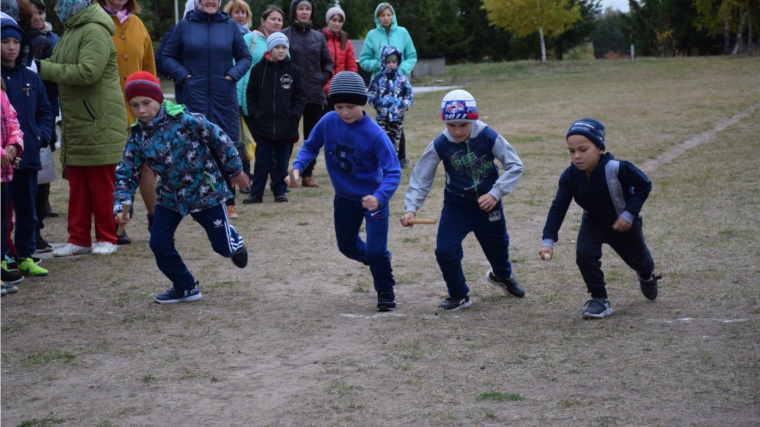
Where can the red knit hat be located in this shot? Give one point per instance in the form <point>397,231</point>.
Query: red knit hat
<point>143,83</point>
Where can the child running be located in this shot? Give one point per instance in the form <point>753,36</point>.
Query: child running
<point>611,193</point>
<point>364,171</point>
<point>187,152</point>
<point>472,197</point>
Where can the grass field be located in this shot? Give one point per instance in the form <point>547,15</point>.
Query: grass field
<point>294,339</point>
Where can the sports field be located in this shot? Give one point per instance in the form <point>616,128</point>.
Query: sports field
<point>294,339</point>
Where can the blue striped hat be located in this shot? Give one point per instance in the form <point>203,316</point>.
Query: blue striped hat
<point>590,128</point>
<point>348,87</point>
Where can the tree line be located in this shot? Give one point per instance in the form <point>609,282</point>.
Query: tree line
<point>497,30</point>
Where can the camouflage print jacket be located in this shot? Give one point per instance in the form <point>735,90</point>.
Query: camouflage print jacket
<point>179,146</point>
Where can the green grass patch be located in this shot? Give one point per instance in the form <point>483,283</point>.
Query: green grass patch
<point>500,396</point>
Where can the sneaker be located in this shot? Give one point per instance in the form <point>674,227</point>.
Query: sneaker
<point>281,198</point>
<point>103,248</point>
<point>240,258</point>
<point>231,212</point>
<point>454,304</point>
<point>10,289</point>
<point>510,287</point>
<point>386,301</point>
<point>404,163</point>
<point>123,239</point>
<point>70,249</point>
<point>177,295</point>
<point>9,264</point>
<point>246,190</point>
<point>42,245</point>
<point>27,267</point>
<point>253,199</point>
<point>10,277</point>
<point>649,286</point>
<point>597,308</point>
<point>3,292</point>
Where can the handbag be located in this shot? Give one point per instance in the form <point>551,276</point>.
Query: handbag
<point>46,175</point>
<point>247,139</point>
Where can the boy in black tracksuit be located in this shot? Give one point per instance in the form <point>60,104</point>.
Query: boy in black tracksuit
<point>276,101</point>
<point>611,193</point>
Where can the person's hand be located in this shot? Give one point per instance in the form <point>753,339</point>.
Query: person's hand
<point>5,161</point>
<point>121,221</point>
<point>296,174</point>
<point>16,162</point>
<point>10,154</point>
<point>405,219</point>
<point>487,202</point>
<point>240,180</point>
<point>621,225</point>
<point>229,77</point>
<point>546,250</point>
<point>370,203</point>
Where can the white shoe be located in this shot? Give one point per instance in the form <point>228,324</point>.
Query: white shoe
<point>103,248</point>
<point>70,249</point>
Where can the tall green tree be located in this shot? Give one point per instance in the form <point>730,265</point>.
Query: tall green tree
<point>609,35</point>
<point>486,42</point>
<point>580,32</point>
<point>666,27</point>
<point>525,17</point>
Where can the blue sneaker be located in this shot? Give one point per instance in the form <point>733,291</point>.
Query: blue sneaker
<point>649,286</point>
<point>597,308</point>
<point>386,301</point>
<point>177,295</point>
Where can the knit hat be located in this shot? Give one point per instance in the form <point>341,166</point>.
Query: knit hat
<point>590,128</point>
<point>276,39</point>
<point>348,87</point>
<point>303,3</point>
<point>333,11</point>
<point>143,83</point>
<point>10,7</point>
<point>459,106</point>
<point>11,31</point>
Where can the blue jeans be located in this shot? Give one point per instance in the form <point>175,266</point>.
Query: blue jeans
<point>264,149</point>
<point>224,240</point>
<point>349,216</point>
<point>629,245</point>
<point>460,217</point>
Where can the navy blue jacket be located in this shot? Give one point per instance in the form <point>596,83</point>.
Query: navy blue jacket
<point>27,94</point>
<point>615,188</point>
<point>208,47</point>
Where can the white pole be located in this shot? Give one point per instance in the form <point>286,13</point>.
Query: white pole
<point>631,52</point>
<point>176,12</point>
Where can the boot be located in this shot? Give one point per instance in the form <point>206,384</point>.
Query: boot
<point>308,181</point>
<point>150,222</point>
<point>123,239</point>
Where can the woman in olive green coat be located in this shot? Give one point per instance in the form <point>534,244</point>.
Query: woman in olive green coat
<point>94,122</point>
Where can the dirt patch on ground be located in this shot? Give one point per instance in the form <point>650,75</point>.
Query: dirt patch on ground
<point>294,338</point>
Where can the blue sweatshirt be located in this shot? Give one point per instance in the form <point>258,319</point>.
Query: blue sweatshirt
<point>616,188</point>
<point>359,157</point>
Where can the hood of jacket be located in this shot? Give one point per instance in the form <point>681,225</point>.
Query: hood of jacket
<point>387,50</point>
<point>477,127</point>
<point>378,25</point>
<point>25,54</point>
<point>168,108</point>
<point>292,15</point>
<point>201,16</point>
<point>93,14</point>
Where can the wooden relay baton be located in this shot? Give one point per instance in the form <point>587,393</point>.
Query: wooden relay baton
<point>292,176</point>
<point>124,216</point>
<point>422,221</point>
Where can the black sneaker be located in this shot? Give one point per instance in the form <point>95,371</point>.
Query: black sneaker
<point>597,308</point>
<point>42,245</point>
<point>454,304</point>
<point>177,295</point>
<point>253,199</point>
<point>10,289</point>
<point>11,277</point>
<point>281,198</point>
<point>510,287</point>
<point>240,258</point>
<point>123,239</point>
<point>649,287</point>
<point>386,301</point>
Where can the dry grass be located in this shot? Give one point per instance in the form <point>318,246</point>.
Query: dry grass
<point>294,339</point>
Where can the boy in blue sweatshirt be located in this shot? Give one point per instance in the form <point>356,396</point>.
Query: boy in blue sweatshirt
<point>364,171</point>
<point>190,155</point>
<point>472,198</point>
<point>611,193</point>
<point>28,96</point>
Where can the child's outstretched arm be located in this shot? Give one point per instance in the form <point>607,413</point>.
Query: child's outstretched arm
<point>556,215</point>
<point>309,151</point>
<point>420,183</point>
<point>128,173</point>
<point>226,153</point>
<point>388,163</point>
<point>512,165</point>
<point>373,93</point>
<point>631,176</point>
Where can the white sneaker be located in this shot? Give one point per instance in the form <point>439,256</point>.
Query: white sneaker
<point>70,249</point>
<point>103,248</point>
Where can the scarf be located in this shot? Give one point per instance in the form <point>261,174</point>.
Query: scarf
<point>69,8</point>
<point>122,14</point>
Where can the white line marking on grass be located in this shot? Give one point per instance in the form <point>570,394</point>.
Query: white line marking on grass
<point>359,316</point>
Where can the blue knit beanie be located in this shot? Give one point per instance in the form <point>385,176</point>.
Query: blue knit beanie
<point>10,31</point>
<point>590,128</point>
<point>277,39</point>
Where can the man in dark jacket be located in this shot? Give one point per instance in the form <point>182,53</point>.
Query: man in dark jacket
<point>308,50</point>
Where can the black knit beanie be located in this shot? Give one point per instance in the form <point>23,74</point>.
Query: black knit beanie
<point>348,87</point>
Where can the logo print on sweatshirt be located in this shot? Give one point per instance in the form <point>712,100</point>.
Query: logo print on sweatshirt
<point>286,81</point>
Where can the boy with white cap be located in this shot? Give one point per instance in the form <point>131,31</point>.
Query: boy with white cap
<point>472,197</point>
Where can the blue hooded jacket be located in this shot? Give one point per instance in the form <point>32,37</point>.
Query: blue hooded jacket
<point>390,92</point>
<point>208,47</point>
<point>27,94</point>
